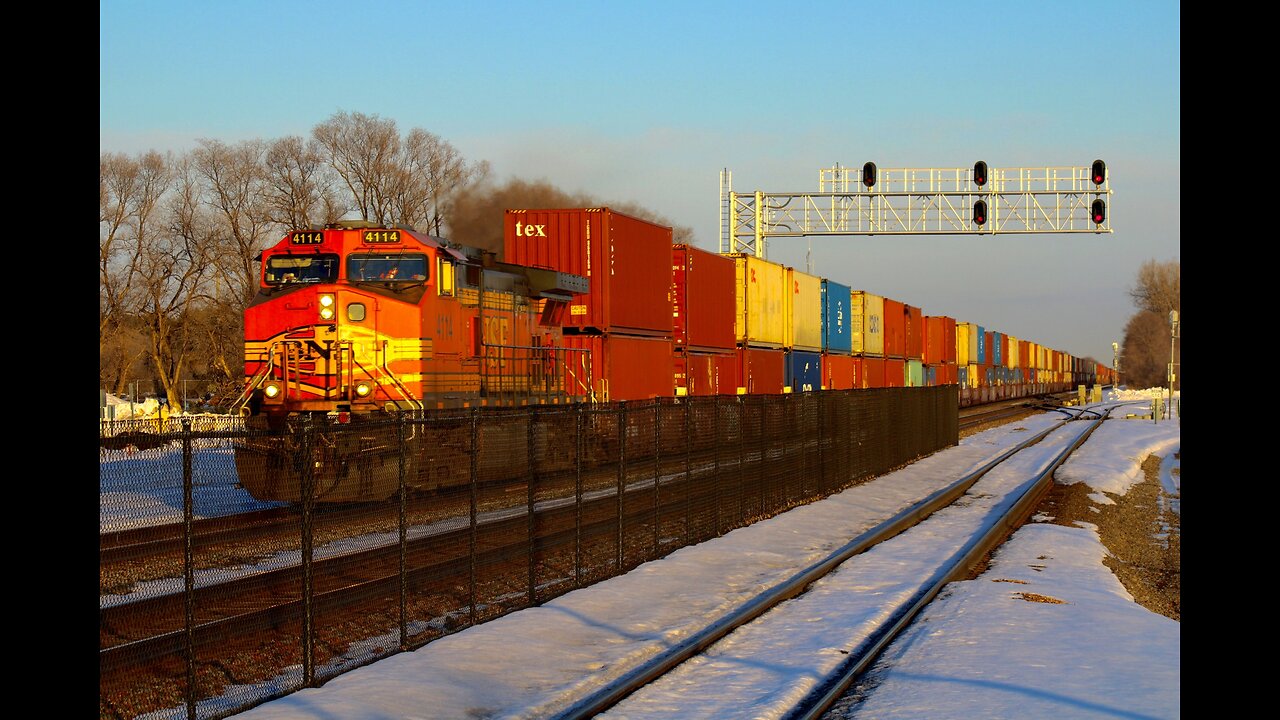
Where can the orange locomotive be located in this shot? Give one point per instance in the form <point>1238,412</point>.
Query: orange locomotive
<point>354,321</point>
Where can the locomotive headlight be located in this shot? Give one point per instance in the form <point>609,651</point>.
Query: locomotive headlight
<point>271,390</point>
<point>363,389</point>
<point>326,307</point>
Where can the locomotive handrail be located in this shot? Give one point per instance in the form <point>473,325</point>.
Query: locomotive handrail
<point>404,391</point>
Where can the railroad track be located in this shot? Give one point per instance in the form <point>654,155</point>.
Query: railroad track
<point>655,688</point>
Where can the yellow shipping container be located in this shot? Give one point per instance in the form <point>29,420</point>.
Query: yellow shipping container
<point>761,302</point>
<point>974,374</point>
<point>866,322</point>
<point>1011,355</point>
<point>966,343</point>
<point>804,311</point>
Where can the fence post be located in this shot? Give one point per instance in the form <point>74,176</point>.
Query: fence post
<point>657,478</point>
<point>308,589</point>
<point>531,451</point>
<point>404,534</point>
<point>475,500</point>
<point>188,572</point>
<point>688,472</point>
<point>577,496</point>
<point>622,475</point>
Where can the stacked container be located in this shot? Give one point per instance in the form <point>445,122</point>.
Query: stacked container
<point>940,349</point>
<point>703,311</point>
<point>625,318</point>
<point>803,337</point>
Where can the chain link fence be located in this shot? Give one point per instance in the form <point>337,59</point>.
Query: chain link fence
<point>364,540</point>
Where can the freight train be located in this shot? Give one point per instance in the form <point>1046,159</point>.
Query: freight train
<point>354,322</point>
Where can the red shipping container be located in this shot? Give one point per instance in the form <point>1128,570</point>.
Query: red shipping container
<point>1004,349</point>
<point>945,374</point>
<point>840,372</point>
<point>895,329</point>
<point>623,367</point>
<point>702,299</point>
<point>1024,355</point>
<point>914,319</point>
<point>989,359</point>
<point>895,373</point>
<point>872,372</point>
<point>706,373</point>
<point>761,371</point>
<point>940,339</point>
<point>626,260</point>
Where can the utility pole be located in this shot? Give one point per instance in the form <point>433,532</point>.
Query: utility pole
<point>1115,364</point>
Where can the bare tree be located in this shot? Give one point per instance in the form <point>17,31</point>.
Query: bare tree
<point>363,151</point>
<point>130,193</point>
<point>1159,287</point>
<point>297,187</point>
<point>1146,350</point>
<point>175,264</point>
<point>1147,343</point>
<point>234,185</point>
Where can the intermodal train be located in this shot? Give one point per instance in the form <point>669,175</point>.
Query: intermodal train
<point>354,321</point>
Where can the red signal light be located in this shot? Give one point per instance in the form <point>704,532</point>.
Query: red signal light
<point>980,173</point>
<point>869,174</point>
<point>1098,211</point>
<point>980,212</point>
<point>1099,172</point>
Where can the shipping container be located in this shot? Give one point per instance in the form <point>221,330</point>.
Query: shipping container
<point>915,373</point>
<point>759,302</point>
<point>940,339</point>
<point>914,332</point>
<point>979,346</point>
<point>866,327</point>
<point>841,372</point>
<point>804,371</point>
<point>702,299</point>
<point>895,372</point>
<point>626,260</point>
<point>761,371</point>
<point>624,367</point>
<point>975,375</point>
<point>997,349</point>
<point>803,311</point>
<point>966,347</point>
<point>837,337</point>
<point>895,329</point>
<point>872,372</point>
<point>706,373</point>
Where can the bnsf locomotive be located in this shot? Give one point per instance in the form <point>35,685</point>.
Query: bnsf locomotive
<point>352,321</point>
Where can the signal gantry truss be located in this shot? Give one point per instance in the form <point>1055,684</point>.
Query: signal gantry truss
<point>919,201</point>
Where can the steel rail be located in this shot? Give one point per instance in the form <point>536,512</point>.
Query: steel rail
<point>628,683</point>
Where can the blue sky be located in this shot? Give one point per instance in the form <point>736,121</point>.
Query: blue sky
<point>647,102</point>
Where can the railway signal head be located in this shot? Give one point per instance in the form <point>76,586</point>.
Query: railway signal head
<point>1098,211</point>
<point>1099,172</point>
<point>980,173</point>
<point>980,212</point>
<point>869,174</point>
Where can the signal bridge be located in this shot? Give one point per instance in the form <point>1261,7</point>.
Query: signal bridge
<point>920,201</point>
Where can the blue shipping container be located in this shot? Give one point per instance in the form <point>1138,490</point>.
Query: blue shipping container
<point>804,371</point>
<point>982,346</point>
<point>836,337</point>
<point>997,357</point>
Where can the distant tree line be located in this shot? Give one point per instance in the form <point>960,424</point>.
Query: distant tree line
<point>1146,352</point>
<point>179,234</point>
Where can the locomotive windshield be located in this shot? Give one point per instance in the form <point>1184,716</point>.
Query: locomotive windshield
<point>387,268</point>
<point>289,269</point>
